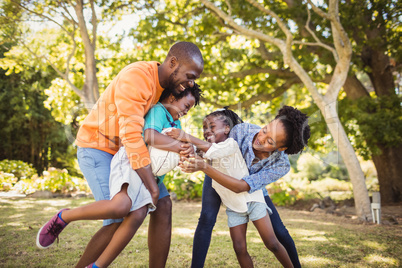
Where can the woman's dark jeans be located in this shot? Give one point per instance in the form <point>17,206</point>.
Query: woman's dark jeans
<point>211,203</point>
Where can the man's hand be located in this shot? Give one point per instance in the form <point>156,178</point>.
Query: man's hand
<point>178,134</point>
<point>192,164</point>
<point>148,179</point>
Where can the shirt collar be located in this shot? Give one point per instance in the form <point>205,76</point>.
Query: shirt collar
<point>168,115</point>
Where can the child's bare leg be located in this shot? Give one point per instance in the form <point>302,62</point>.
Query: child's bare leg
<point>97,245</point>
<point>122,236</point>
<point>116,208</point>
<point>267,234</point>
<point>238,235</point>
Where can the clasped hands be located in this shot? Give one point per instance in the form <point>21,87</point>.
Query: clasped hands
<point>189,161</point>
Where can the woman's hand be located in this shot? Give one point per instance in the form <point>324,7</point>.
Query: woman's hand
<point>178,134</point>
<point>186,149</point>
<point>192,164</point>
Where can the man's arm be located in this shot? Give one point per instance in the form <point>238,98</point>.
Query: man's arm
<point>149,181</point>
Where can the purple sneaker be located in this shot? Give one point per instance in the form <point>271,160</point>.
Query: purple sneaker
<point>50,231</point>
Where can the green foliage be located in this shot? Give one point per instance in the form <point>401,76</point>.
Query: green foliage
<point>185,186</point>
<point>53,180</point>
<point>336,189</point>
<point>310,166</point>
<point>18,168</point>
<point>379,122</point>
<point>282,193</point>
<point>7,181</point>
<point>30,132</point>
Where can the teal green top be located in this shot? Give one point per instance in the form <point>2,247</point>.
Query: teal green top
<point>158,118</point>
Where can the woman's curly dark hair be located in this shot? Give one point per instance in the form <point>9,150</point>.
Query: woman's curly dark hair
<point>229,117</point>
<point>195,91</point>
<point>296,128</point>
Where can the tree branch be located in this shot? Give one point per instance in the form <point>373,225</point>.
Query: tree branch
<point>269,12</point>
<point>63,75</point>
<point>241,29</point>
<point>319,11</point>
<point>280,73</point>
<point>318,41</point>
<point>265,54</point>
<point>264,97</point>
<point>94,22</point>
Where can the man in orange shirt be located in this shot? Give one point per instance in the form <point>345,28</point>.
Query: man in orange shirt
<point>117,119</point>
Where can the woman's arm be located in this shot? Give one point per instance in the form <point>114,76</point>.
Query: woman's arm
<point>198,164</point>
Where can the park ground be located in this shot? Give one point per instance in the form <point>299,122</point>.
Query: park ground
<point>322,239</point>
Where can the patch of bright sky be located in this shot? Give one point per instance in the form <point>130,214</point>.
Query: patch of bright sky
<point>111,29</point>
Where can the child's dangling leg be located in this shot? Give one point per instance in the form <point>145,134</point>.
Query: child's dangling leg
<point>238,235</point>
<point>267,234</point>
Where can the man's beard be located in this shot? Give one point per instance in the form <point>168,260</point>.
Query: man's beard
<point>171,86</point>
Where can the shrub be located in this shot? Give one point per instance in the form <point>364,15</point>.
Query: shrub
<point>282,193</point>
<point>185,186</point>
<point>336,189</point>
<point>310,167</point>
<point>7,181</point>
<point>19,168</point>
<point>53,180</point>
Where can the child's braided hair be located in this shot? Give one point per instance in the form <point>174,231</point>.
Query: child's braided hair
<point>296,127</point>
<point>229,117</point>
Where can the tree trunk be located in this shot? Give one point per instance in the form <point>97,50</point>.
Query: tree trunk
<point>360,193</point>
<point>388,162</point>
<point>389,170</point>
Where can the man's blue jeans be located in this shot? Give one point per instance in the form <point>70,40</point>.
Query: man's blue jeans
<point>211,203</point>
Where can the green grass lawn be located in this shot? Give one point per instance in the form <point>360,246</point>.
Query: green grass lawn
<point>322,240</point>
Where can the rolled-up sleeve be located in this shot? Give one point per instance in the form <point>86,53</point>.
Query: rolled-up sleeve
<point>133,92</point>
<point>268,174</point>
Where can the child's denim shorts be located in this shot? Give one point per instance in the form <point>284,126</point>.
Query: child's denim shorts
<point>255,211</point>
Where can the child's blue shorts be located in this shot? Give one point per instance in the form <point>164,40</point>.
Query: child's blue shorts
<point>255,211</point>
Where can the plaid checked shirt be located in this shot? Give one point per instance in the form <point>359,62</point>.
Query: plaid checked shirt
<point>264,171</point>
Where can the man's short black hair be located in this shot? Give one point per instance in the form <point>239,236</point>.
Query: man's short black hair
<point>185,51</point>
<point>296,128</point>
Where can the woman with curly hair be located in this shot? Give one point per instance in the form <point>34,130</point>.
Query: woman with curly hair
<point>265,151</point>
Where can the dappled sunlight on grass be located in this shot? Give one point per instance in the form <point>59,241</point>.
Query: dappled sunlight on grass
<point>314,261</point>
<point>315,239</point>
<point>183,232</point>
<point>256,240</point>
<point>14,224</point>
<point>311,222</point>
<point>380,261</point>
<point>54,203</point>
<point>308,233</point>
<point>16,216</point>
<point>373,245</point>
<point>321,240</point>
<point>221,233</point>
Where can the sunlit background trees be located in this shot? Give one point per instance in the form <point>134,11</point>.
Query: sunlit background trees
<point>338,61</point>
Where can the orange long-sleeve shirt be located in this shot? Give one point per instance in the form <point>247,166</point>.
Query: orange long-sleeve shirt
<point>118,116</point>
